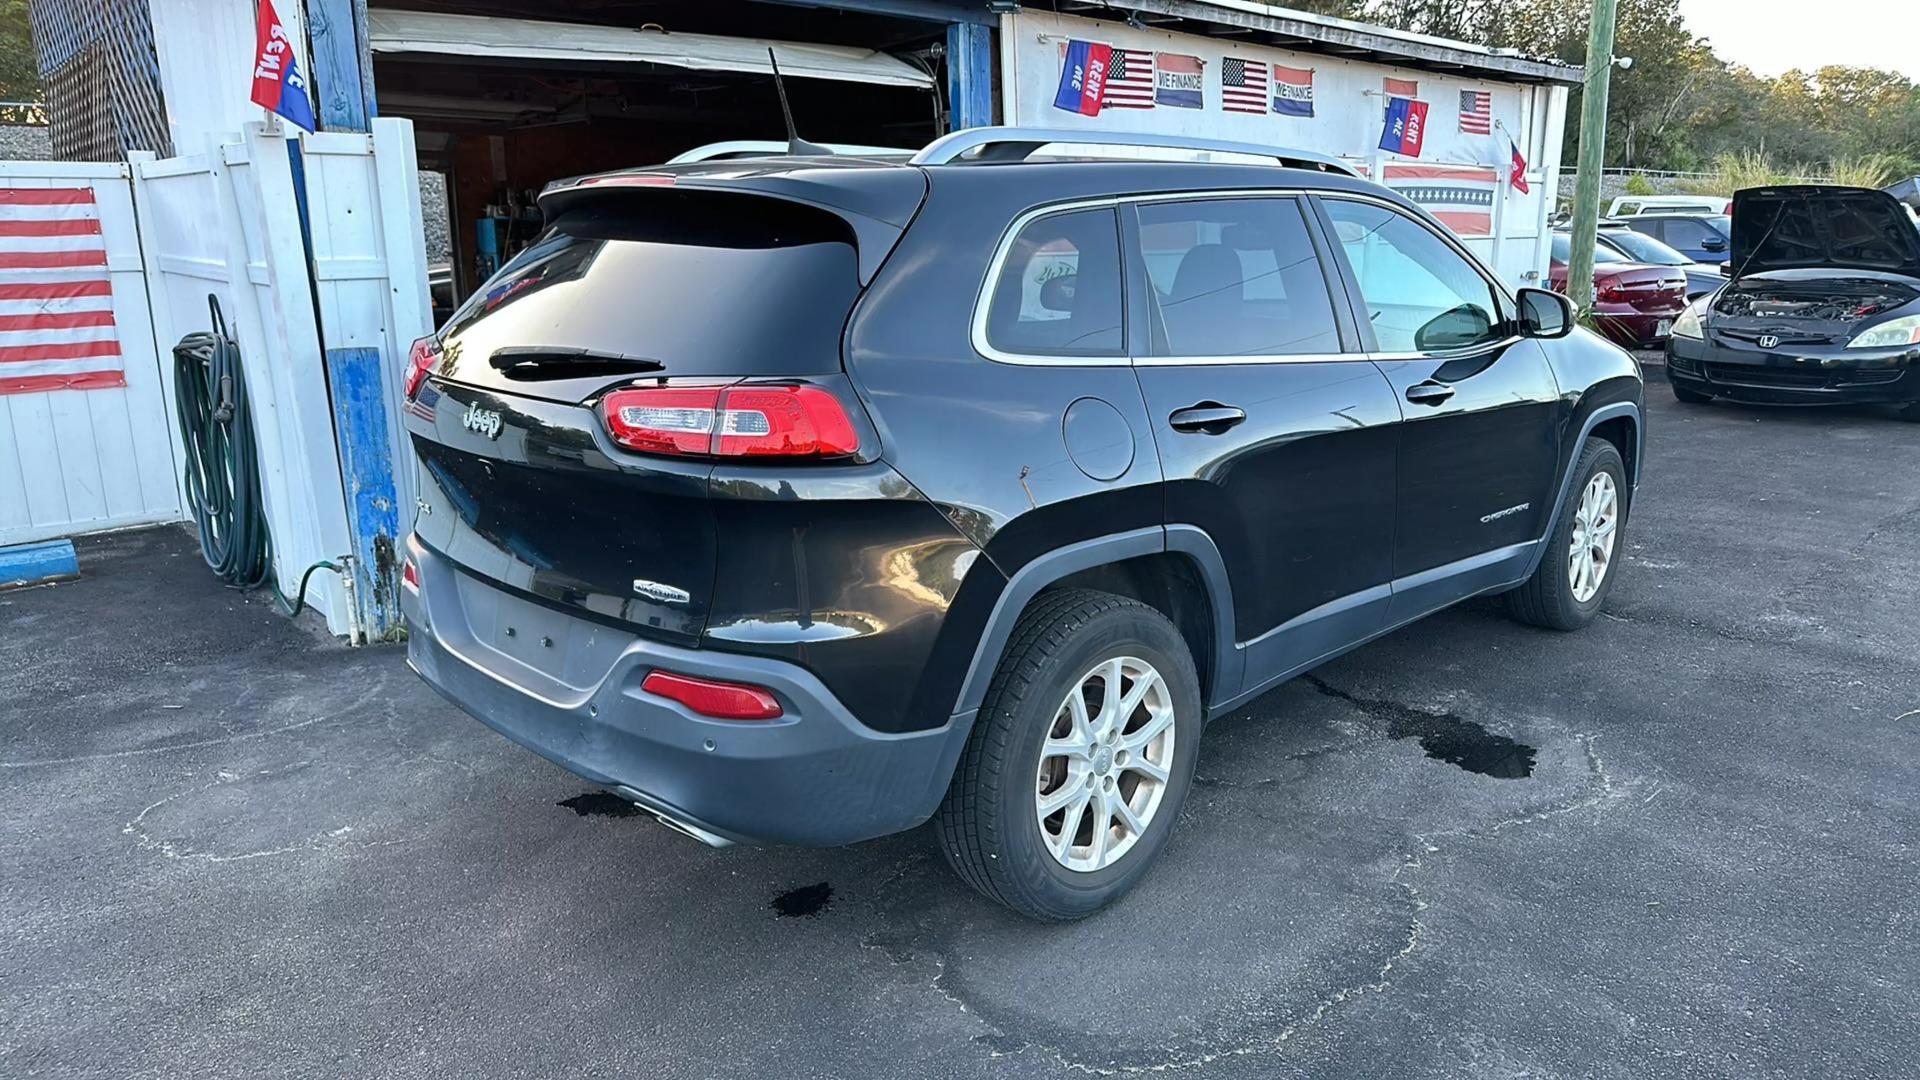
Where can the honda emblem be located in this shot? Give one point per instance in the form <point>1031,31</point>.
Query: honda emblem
<point>1767,341</point>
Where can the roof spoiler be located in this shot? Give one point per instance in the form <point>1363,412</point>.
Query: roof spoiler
<point>1008,144</point>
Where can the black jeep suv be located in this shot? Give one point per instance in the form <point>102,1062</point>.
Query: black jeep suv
<point>800,501</point>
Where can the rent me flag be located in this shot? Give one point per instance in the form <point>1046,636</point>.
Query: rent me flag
<point>56,301</point>
<point>1083,77</point>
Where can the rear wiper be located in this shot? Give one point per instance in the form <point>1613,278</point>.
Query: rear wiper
<point>559,362</point>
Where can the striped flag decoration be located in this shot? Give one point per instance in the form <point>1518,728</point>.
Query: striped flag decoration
<point>1130,80</point>
<point>1476,112</point>
<point>1243,85</point>
<point>1461,196</point>
<point>56,301</point>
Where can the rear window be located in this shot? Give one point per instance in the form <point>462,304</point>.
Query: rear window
<point>695,283</point>
<point>1058,292</point>
<point>1563,251</point>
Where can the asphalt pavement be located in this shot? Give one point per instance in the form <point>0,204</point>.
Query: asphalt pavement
<point>1679,843</point>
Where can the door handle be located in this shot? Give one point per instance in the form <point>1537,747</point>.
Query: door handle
<point>1429,393</point>
<point>1207,418</point>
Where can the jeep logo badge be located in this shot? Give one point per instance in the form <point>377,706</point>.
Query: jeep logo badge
<point>1767,341</point>
<point>484,421</point>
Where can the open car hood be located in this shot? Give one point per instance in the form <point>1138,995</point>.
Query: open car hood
<point>1789,228</point>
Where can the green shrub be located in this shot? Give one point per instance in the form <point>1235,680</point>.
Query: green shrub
<point>1638,184</point>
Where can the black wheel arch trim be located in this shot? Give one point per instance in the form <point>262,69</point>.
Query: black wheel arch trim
<point>1029,580</point>
<point>1594,419</point>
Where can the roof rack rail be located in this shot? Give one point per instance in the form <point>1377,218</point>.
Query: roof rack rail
<point>1005,144</point>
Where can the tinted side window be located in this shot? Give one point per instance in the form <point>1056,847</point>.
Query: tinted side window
<point>1235,277</point>
<point>1649,226</point>
<point>1688,234</point>
<point>1058,293</point>
<point>1420,293</point>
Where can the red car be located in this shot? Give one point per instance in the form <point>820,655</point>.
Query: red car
<point>1634,304</point>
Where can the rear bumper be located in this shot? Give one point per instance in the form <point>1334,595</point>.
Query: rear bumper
<point>1786,377</point>
<point>1626,325</point>
<point>814,777</point>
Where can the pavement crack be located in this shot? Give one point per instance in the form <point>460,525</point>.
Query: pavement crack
<point>328,841</point>
<point>170,747</point>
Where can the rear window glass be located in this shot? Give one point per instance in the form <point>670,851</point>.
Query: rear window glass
<point>1058,293</point>
<point>700,284</point>
<point>1235,277</point>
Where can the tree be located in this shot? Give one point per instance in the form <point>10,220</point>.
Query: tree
<point>19,72</point>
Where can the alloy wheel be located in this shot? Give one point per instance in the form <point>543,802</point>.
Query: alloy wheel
<point>1595,525</point>
<point>1105,764</point>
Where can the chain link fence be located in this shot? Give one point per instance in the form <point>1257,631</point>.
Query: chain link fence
<point>102,76</point>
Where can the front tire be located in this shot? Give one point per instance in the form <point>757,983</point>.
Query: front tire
<point>1570,586</point>
<point>1079,760</point>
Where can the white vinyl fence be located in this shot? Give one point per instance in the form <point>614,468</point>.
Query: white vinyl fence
<point>85,416</point>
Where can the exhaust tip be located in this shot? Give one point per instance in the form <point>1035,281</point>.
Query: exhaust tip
<point>672,823</point>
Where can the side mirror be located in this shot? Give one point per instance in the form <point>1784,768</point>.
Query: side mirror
<point>1545,314</point>
<point>1454,328</point>
<point>1056,293</point>
<point>1713,243</point>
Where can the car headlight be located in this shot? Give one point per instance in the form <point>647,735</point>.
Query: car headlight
<point>1902,331</point>
<point>1691,324</point>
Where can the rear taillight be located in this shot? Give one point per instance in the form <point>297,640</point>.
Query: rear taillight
<point>735,421</point>
<point>709,697</point>
<point>410,575</point>
<point>423,358</point>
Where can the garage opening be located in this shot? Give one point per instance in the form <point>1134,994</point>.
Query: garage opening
<point>506,97</point>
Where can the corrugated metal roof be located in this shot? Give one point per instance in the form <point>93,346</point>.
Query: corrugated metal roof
<point>528,39</point>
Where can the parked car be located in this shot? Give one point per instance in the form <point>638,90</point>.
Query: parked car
<point>1702,278</point>
<point>1633,304</point>
<point>1630,205</point>
<point>801,502</point>
<point>1700,237</point>
<point>1823,305</point>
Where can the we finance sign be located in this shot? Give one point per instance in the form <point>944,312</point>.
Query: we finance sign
<point>1178,81</point>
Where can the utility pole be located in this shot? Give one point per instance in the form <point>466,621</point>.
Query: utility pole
<point>1593,156</point>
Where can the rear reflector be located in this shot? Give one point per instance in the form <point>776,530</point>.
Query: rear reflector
<point>738,421</point>
<point>721,700</point>
<point>410,575</point>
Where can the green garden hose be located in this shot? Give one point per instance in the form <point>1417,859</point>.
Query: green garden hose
<point>222,472</point>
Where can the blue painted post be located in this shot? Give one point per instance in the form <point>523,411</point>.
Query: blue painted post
<point>969,75</point>
<point>366,468</point>
<point>38,564</point>
<point>344,98</point>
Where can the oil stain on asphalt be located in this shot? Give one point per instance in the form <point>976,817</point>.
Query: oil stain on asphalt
<point>1446,737</point>
<point>600,804</point>
<point>803,902</point>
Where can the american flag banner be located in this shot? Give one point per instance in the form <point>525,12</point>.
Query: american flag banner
<point>1130,80</point>
<point>1243,85</point>
<point>1461,196</point>
<point>56,301</point>
<point>1476,112</point>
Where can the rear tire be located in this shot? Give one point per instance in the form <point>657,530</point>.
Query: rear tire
<point>1127,769</point>
<point>1690,397</point>
<point>1558,596</point>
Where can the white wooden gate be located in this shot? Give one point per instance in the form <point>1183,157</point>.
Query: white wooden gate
<point>226,222</point>
<point>77,460</point>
